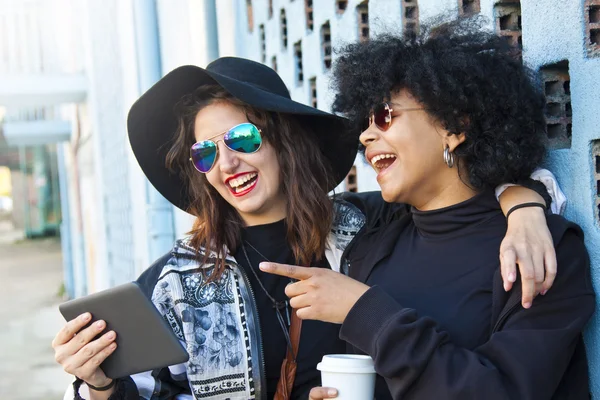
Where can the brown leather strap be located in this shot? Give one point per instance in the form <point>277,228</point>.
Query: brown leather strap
<point>288,367</point>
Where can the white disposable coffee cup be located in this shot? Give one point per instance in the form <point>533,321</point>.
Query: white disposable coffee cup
<point>352,375</point>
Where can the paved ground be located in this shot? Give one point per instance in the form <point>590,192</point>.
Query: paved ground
<point>30,279</point>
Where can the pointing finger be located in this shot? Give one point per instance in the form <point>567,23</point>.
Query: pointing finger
<point>290,271</point>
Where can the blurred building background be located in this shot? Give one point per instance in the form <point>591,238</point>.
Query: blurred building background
<point>70,70</point>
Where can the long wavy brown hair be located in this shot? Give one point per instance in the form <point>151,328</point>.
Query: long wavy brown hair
<point>306,176</point>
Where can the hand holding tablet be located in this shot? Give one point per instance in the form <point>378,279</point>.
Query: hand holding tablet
<point>113,334</point>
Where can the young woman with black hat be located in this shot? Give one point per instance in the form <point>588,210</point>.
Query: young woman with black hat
<point>228,145</point>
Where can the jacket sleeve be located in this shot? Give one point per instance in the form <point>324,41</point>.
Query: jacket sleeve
<point>525,359</point>
<point>164,383</point>
<point>545,184</point>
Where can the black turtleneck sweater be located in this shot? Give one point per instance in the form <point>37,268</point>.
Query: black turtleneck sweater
<point>316,339</point>
<point>429,310</point>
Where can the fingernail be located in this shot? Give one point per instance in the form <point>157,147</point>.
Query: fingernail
<point>113,346</point>
<point>543,293</point>
<point>85,317</point>
<point>512,277</point>
<point>100,324</point>
<point>110,336</point>
<point>526,305</point>
<point>331,392</point>
<point>505,287</point>
<point>264,266</point>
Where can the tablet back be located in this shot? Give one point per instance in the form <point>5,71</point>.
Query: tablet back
<point>144,340</point>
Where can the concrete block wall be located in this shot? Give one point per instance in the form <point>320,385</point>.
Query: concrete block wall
<point>553,31</point>
<point>561,35</point>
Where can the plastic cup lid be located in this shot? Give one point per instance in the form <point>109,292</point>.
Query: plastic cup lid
<point>347,363</point>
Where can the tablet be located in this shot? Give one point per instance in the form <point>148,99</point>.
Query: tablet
<point>144,339</point>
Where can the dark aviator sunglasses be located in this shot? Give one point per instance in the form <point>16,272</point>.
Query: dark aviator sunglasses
<point>381,116</point>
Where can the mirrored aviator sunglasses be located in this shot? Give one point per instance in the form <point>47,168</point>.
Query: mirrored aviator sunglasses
<point>243,138</point>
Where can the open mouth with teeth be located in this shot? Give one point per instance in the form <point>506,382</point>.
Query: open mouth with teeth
<point>382,161</point>
<point>242,184</point>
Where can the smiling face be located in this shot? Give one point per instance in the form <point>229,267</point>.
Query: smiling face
<point>408,157</point>
<point>250,183</point>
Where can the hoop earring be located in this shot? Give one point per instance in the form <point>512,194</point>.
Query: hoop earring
<point>448,157</point>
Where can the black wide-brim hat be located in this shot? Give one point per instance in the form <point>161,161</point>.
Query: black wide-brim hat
<point>152,120</point>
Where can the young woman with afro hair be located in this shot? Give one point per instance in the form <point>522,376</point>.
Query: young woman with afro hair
<point>452,114</point>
